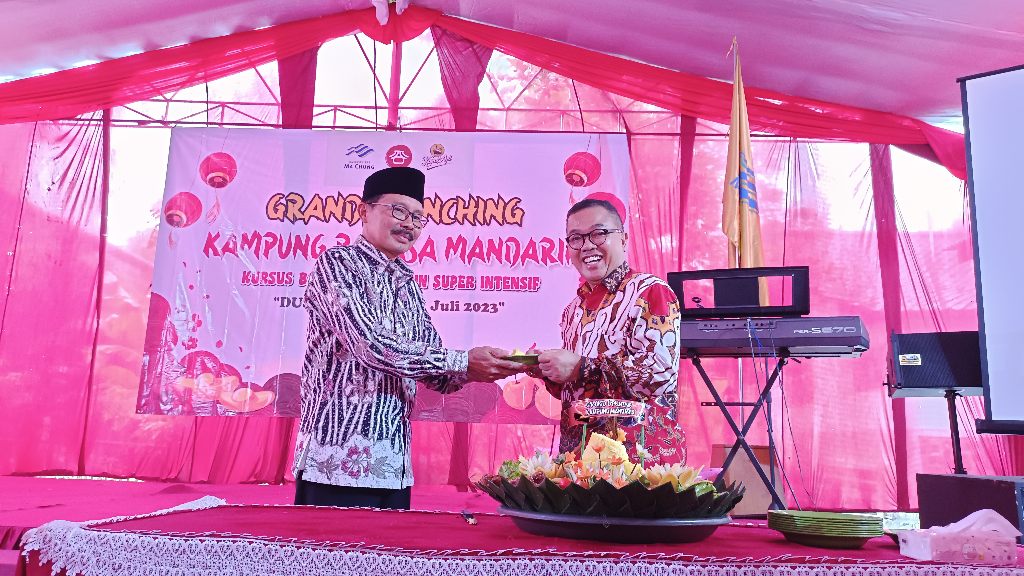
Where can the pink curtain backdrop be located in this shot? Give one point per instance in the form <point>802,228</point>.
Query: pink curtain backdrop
<point>836,428</point>
<point>68,93</point>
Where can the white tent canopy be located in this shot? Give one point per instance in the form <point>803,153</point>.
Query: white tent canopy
<point>899,56</point>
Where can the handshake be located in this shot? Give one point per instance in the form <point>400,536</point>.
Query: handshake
<point>488,364</point>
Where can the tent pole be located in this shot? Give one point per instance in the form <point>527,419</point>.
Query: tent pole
<point>100,274</point>
<point>395,89</point>
<point>687,144</point>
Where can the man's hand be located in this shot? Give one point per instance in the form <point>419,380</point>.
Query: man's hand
<point>560,366</point>
<point>486,365</point>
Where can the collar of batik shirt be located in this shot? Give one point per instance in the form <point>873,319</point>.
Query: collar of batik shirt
<point>611,282</point>
<point>397,267</point>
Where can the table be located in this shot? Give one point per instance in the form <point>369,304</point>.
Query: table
<point>210,538</point>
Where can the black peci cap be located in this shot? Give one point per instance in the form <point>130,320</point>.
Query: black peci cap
<point>401,180</point>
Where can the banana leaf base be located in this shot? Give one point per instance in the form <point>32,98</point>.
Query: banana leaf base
<point>613,529</point>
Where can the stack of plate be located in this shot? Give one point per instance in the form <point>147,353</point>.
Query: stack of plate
<point>825,529</point>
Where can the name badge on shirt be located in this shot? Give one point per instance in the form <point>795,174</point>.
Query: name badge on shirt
<point>614,407</point>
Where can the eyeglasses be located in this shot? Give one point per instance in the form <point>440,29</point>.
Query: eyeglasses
<point>597,238</point>
<point>401,213</point>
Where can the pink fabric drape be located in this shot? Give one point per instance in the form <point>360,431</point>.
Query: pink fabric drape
<point>883,199</point>
<point>68,93</point>
<point>54,417</point>
<point>463,64</point>
<point>708,99</point>
<point>51,253</point>
<point>297,80</point>
<point>687,139</point>
<point>18,141</point>
<point>120,81</point>
<point>112,83</point>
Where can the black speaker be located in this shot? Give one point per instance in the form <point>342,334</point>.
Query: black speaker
<point>929,363</point>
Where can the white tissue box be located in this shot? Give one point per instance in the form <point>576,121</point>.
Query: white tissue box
<point>983,547</point>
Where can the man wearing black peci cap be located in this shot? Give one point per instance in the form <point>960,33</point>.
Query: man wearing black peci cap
<point>370,340</point>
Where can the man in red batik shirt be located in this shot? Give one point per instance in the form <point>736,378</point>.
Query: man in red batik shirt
<point>620,338</point>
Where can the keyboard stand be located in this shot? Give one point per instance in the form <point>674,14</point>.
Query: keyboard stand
<point>741,434</point>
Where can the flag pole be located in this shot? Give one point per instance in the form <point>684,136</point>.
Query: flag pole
<point>734,253</point>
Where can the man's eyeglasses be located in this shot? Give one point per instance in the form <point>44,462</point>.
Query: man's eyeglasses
<point>401,213</point>
<point>597,238</point>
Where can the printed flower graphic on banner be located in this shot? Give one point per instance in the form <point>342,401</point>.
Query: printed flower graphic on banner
<point>245,399</point>
<point>211,382</point>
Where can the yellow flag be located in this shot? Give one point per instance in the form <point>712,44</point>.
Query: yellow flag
<point>740,220</point>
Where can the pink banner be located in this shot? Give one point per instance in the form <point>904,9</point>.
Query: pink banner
<point>246,213</point>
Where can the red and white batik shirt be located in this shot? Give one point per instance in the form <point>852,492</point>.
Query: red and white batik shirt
<point>627,331</point>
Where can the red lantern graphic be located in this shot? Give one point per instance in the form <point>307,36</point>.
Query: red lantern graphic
<point>613,199</point>
<point>582,169</point>
<point>218,169</point>
<point>183,209</point>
